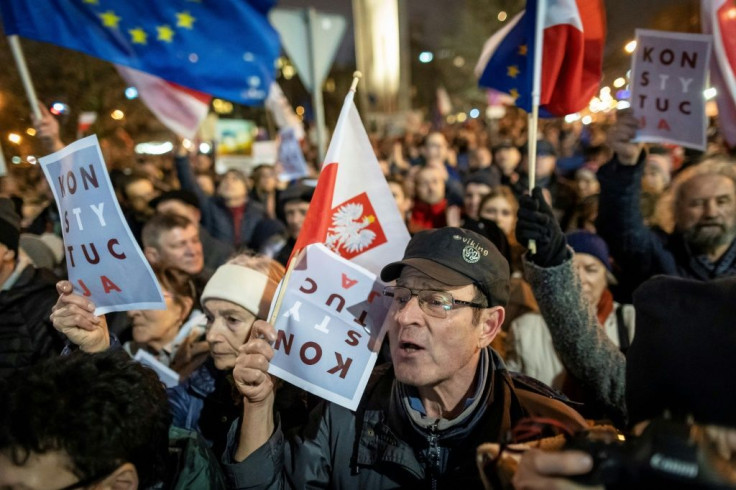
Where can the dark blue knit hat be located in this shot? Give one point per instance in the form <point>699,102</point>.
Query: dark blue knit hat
<point>585,242</point>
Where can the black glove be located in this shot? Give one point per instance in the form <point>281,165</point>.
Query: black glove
<point>537,222</point>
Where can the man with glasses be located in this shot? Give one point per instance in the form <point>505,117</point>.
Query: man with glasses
<point>418,423</point>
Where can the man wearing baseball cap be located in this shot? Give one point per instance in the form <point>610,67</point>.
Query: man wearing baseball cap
<point>420,420</point>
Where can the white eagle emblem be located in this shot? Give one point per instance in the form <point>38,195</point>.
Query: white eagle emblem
<point>348,230</point>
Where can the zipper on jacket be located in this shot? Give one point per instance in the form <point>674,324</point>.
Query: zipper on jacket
<point>433,454</point>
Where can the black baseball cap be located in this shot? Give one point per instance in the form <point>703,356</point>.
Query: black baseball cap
<point>456,257</point>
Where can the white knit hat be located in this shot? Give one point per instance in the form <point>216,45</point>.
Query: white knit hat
<point>242,286</point>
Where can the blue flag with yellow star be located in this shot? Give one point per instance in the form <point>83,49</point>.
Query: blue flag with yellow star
<point>225,48</point>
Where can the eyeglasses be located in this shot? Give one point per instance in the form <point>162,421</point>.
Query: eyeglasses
<point>432,302</point>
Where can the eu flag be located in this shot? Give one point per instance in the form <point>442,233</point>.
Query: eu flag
<point>225,48</point>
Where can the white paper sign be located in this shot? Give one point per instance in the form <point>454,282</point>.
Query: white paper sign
<point>329,327</point>
<point>104,261</point>
<point>668,77</point>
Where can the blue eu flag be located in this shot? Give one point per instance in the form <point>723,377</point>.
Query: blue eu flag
<point>225,48</point>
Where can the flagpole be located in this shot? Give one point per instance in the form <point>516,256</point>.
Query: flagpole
<point>25,76</point>
<point>536,95</point>
<point>297,256</point>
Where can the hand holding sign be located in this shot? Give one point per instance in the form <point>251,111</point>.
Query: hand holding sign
<point>73,316</point>
<point>251,368</point>
<point>621,135</point>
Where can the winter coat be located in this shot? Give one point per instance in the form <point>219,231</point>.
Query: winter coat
<point>26,332</point>
<point>385,444</point>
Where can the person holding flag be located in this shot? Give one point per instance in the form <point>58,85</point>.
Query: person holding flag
<point>419,421</point>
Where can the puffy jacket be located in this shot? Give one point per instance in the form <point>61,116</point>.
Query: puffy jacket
<point>380,445</point>
<point>26,332</point>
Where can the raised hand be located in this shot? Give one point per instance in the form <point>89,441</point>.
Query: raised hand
<point>73,315</point>
<point>251,368</point>
<point>620,136</point>
<point>47,130</point>
<point>537,222</point>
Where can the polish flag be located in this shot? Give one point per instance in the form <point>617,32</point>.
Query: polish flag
<point>180,109</point>
<point>719,19</point>
<point>353,211</point>
<point>573,33</point>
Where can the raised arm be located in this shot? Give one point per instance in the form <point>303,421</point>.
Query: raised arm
<point>579,342</point>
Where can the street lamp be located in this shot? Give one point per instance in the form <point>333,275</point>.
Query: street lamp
<point>14,138</point>
<point>630,46</point>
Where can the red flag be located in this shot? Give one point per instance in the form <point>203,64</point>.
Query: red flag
<point>180,109</point>
<point>719,19</point>
<point>352,211</point>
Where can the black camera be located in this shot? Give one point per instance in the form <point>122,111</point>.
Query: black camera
<point>668,454</point>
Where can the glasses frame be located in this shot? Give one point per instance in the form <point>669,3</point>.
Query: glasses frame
<point>390,292</point>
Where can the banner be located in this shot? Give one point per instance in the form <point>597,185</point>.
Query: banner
<point>668,77</point>
<point>329,327</point>
<point>104,261</point>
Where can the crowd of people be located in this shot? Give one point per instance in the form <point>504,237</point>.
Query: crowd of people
<point>618,314</point>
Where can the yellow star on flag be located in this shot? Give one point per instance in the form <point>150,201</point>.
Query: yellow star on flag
<point>185,20</point>
<point>522,50</point>
<point>109,19</point>
<point>92,2</point>
<point>165,33</point>
<point>512,71</point>
<point>138,35</point>
<point>514,93</point>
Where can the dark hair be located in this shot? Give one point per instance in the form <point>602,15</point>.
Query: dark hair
<point>102,410</point>
<point>179,284</point>
<point>160,223</point>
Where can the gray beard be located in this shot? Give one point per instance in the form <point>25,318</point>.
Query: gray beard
<point>706,239</point>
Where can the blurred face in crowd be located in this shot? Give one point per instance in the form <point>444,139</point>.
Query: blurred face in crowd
<point>507,159</point>
<point>202,162</point>
<point>586,184</point>
<point>430,186</point>
<point>265,179</point>
<point>294,213</point>
<point>474,193</point>
<point>156,328</point>
<point>7,263</point>
<point>653,179</point>
<point>592,275</point>
<point>179,208</point>
<point>705,211</point>
<point>437,353</point>
<point>228,326</point>
<point>402,201</point>
<point>499,211</point>
<point>179,247</point>
<point>545,165</point>
<point>232,188</point>
<point>435,148</point>
<point>139,193</point>
<point>481,158</point>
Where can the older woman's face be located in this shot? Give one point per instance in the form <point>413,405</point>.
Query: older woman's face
<point>592,275</point>
<point>228,326</point>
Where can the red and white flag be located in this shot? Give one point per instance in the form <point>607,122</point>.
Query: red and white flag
<point>180,109</point>
<point>719,19</point>
<point>352,211</point>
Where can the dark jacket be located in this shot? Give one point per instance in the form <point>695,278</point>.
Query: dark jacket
<point>204,403</point>
<point>639,251</point>
<point>216,217</point>
<point>26,332</point>
<point>381,445</point>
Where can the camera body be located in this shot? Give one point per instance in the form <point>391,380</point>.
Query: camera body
<point>667,454</point>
